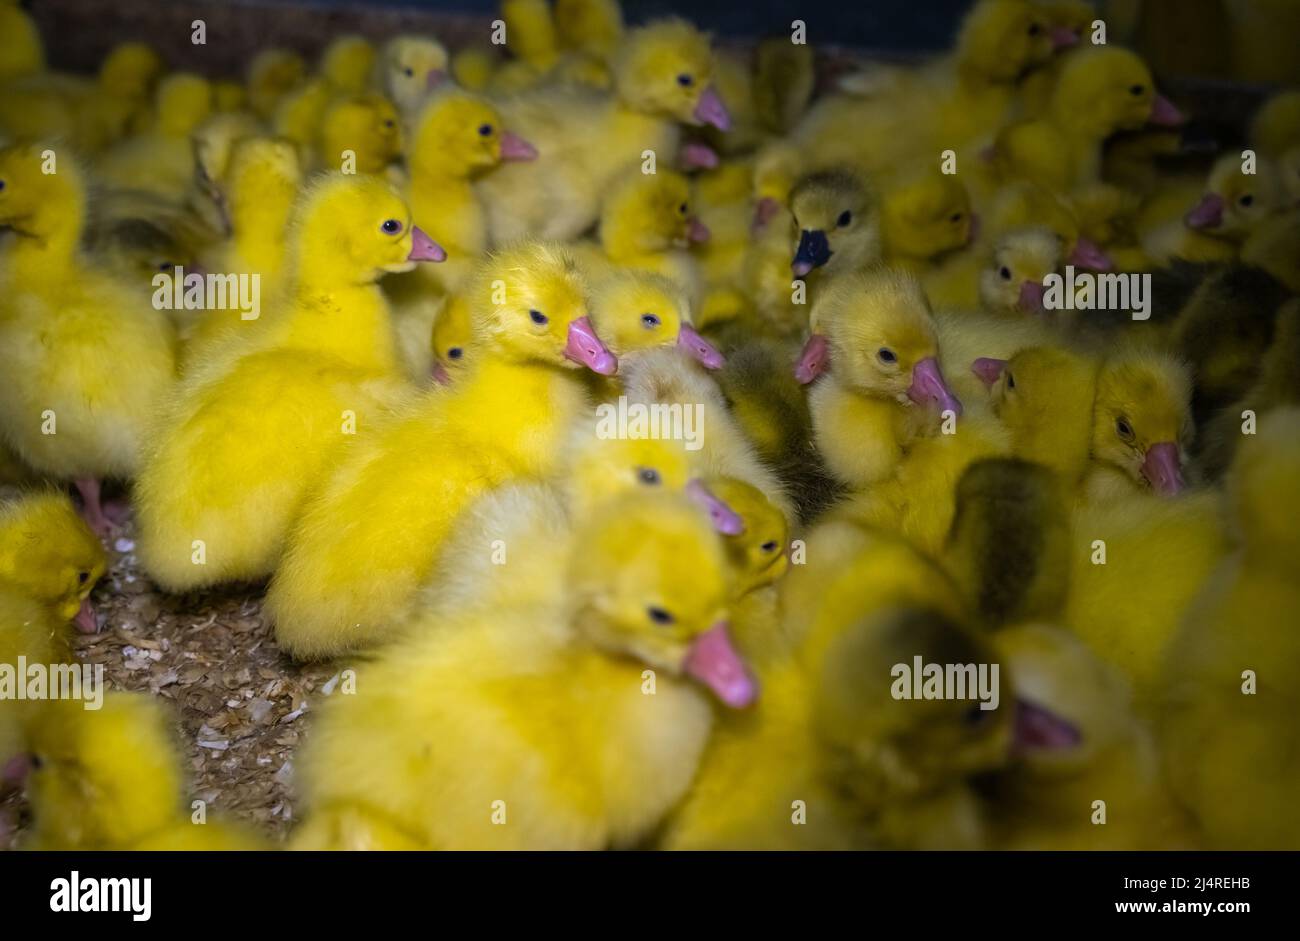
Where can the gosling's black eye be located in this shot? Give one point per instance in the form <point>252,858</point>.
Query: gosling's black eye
<point>485,130</point>
<point>1011,381</point>
<point>390,123</point>
<point>769,546</point>
<point>408,72</point>
<point>37,762</point>
<point>165,266</point>
<point>683,209</point>
<point>1124,428</point>
<point>659,615</point>
<point>975,716</point>
<point>845,218</point>
<point>649,321</point>
<point>455,352</point>
<point>955,217</point>
<point>2,184</point>
<point>538,316</point>
<point>684,80</point>
<point>391,226</point>
<point>1136,90</point>
<point>887,355</point>
<point>648,476</point>
<point>1247,200</point>
<point>1005,274</point>
<point>1035,29</point>
<point>83,577</point>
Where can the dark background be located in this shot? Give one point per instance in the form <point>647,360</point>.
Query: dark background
<point>905,25</point>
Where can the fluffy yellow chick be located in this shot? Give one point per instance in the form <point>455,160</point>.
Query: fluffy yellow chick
<point>110,779</point>
<point>213,142</point>
<point>1229,698</point>
<point>21,49</point>
<point>837,221</point>
<point>236,451</point>
<point>49,563</point>
<point>1232,207</point>
<point>1044,396</point>
<point>298,114</point>
<point>504,419</point>
<point>923,216</point>
<point>119,102</point>
<point>458,138</point>
<point>262,186</point>
<point>647,222</point>
<point>586,138</point>
<point>271,74</point>
<point>161,160</point>
<point>1008,548</point>
<point>758,553</point>
<point>472,67</point>
<point>952,104</point>
<point>831,759</point>
<point>591,26</point>
<point>450,339</point>
<point>1275,127</point>
<point>674,378</point>
<point>408,68</point>
<point>878,340</point>
<point>90,360</point>
<point>359,133</point>
<point>49,554</point>
<point>638,310</point>
<point>563,776</point>
<point>1013,285</point>
<point>1081,743</point>
<point>784,79</point>
<point>539,521</point>
<point>1141,425</point>
<point>347,64</point>
<point>1101,90</point>
<point>865,597</point>
<point>1157,555</point>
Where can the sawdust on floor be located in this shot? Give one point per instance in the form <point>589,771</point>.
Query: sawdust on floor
<point>241,705</point>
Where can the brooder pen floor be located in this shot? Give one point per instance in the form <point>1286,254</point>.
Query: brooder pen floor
<point>242,705</point>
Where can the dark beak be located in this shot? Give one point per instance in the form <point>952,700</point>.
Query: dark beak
<point>813,252</point>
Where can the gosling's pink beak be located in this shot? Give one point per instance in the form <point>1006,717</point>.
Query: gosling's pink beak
<point>1031,297</point>
<point>689,339</point>
<point>697,232</point>
<point>15,770</point>
<point>424,248</point>
<point>586,348</point>
<point>989,370</point>
<point>433,78</point>
<point>1207,214</point>
<point>1036,729</point>
<point>713,660</point>
<point>85,619</point>
<point>1063,38</point>
<point>514,148</point>
<point>440,374</point>
<point>1164,113</point>
<point>725,519</point>
<point>1163,468</point>
<point>710,110</point>
<point>697,156</point>
<point>813,360</point>
<point>1088,254</point>
<point>928,386</point>
<point>764,210</point>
